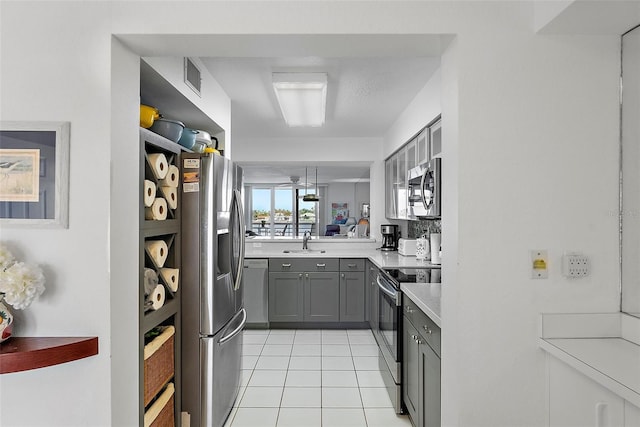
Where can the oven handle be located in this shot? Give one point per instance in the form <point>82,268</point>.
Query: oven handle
<point>391,293</point>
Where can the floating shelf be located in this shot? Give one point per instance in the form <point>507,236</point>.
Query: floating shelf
<point>25,353</point>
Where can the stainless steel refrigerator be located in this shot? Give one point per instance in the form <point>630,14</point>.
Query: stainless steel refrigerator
<point>211,284</point>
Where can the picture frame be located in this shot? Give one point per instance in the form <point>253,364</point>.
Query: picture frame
<point>34,174</point>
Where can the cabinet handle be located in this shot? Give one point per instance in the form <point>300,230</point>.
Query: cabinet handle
<point>286,265</point>
<point>351,265</point>
<point>427,329</point>
<point>300,275</point>
<point>342,275</point>
<point>306,275</point>
<point>408,309</point>
<point>321,265</point>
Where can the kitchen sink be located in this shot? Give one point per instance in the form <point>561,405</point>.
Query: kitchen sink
<point>304,251</point>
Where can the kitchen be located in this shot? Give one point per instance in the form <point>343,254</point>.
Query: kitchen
<point>494,110</point>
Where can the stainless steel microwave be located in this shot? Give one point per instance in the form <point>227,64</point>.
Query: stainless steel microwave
<point>425,190</point>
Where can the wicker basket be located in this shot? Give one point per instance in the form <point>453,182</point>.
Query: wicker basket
<point>160,413</point>
<point>158,363</point>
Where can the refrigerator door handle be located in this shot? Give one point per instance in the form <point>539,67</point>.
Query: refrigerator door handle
<point>237,208</point>
<point>237,330</point>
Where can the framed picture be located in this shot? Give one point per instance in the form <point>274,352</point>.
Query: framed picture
<point>339,212</point>
<point>34,174</point>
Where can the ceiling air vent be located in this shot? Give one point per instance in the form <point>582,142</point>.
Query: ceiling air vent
<point>192,76</point>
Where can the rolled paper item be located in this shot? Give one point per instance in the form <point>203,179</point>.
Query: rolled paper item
<point>149,192</point>
<point>157,211</point>
<point>172,177</point>
<point>171,194</point>
<point>150,280</point>
<point>156,298</point>
<point>159,164</point>
<point>157,250</point>
<point>170,276</point>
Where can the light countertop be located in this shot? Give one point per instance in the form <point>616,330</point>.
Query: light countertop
<point>427,297</point>
<point>608,356</point>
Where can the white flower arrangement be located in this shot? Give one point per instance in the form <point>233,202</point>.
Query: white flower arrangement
<point>20,283</point>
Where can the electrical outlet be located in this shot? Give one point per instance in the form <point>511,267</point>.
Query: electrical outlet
<point>539,264</point>
<point>575,265</point>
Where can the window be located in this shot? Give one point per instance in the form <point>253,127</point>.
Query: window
<point>274,211</point>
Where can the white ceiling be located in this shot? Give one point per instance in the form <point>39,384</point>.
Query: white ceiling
<point>372,79</point>
<point>364,97</point>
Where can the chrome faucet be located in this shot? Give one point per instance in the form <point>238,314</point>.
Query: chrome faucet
<point>305,240</point>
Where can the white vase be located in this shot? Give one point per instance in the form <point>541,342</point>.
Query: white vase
<point>6,320</point>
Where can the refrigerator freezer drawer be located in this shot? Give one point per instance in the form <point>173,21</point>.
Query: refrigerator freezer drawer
<point>221,364</point>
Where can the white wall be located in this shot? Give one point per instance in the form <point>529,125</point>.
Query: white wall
<point>424,108</point>
<point>530,134</point>
<point>55,66</point>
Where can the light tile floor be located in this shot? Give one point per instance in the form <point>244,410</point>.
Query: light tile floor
<point>301,377</point>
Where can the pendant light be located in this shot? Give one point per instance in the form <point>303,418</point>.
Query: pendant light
<point>313,196</point>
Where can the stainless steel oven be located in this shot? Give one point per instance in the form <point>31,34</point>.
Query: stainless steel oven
<point>389,336</point>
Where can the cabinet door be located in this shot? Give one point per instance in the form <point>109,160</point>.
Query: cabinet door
<point>321,297</point>
<point>422,147</point>
<point>401,185</point>
<point>429,386</point>
<point>435,139</point>
<point>285,297</point>
<point>352,299</point>
<point>410,372</point>
<point>373,298</point>
<point>576,400</point>
<point>390,172</point>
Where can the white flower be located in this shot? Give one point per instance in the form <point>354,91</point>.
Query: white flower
<point>21,283</point>
<point>6,257</point>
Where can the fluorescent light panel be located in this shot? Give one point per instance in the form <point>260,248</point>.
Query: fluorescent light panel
<point>302,97</point>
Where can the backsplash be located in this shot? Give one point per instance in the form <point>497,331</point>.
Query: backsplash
<point>424,226</point>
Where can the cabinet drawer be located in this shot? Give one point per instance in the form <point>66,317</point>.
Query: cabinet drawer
<point>303,264</point>
<point>426,327</point>
<point>352,264</point>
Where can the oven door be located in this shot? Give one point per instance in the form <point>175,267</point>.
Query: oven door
<point>389,302</point>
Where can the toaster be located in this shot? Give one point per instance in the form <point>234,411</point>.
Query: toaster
<point>407,247</point>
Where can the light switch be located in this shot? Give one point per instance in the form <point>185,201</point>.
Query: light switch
<point>539,264</point>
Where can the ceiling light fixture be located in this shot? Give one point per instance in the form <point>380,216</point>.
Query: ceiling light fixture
<point>311,197</point>
<point>302,97</point>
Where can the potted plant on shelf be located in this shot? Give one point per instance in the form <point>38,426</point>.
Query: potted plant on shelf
<point>20,284</point>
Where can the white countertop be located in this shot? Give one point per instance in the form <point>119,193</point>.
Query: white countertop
<point>427,297</point>
<point>606,356</point>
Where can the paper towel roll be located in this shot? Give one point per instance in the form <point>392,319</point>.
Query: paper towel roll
<point>157,211</point>
<point>157,250</point>
<point>434,239</point>
<point>171,179</point>
<point>149,192</point>
<point>171,194</point>
<point>159,164</point>
<point>170,277</point>
<point>155,300</point>
<point>150,280</point>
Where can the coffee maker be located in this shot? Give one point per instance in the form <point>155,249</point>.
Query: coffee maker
<point>389,237</point>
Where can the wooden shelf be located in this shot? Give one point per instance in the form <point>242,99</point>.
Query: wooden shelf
<point>25,353</point>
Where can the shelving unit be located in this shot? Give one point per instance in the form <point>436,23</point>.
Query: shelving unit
<point>26,353</point>
<point>169,231</point>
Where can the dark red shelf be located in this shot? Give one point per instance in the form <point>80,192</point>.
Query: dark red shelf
<point>25,353</point>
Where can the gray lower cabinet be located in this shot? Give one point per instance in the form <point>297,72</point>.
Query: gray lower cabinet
<point>420,366</point>
<point>286,302</point>
<point>321,297</point>
<point>352,290</point>
<point>317,290</point>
